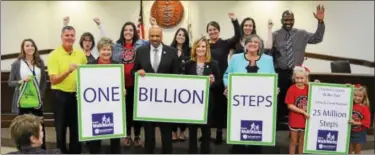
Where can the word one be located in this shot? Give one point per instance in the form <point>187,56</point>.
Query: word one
<point>101,94</point>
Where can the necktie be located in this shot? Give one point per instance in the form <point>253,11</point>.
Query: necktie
<point>155,63</point>
<point>290,62</point>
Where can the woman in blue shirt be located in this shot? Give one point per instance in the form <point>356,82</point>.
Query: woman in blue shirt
<point>253,60</point>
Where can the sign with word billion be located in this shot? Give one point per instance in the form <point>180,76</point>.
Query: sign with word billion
<point>171,98</point>
<point>252,109</point>
<point>328,128</point>
<point>101,102</point>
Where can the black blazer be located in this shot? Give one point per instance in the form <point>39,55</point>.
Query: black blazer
<point>190,68</point>
<point>169,62</point>
<point>185,55</point>
<point>97,62</point>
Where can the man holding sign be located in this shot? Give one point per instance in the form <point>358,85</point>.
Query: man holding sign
<point>62,64</point>
<point>157,58</point>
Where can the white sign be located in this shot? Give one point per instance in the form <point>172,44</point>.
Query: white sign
<point>330,109</point>
<point>252,109</point>
<point>101,102</point>
<point>171,98</point>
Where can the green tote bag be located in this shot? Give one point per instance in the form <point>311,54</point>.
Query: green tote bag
<point>29,94</point>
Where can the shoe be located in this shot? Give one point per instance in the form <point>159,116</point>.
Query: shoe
<point>174,137</point>
<point>137,141</point>
<point>219,137</point>
<point>182,138</point>
<point>127,141</point>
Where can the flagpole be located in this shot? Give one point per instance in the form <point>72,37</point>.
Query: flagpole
<point>189,24</point>
<point>143,15</point>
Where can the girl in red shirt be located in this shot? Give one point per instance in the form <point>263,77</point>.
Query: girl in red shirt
<point>296,99</point>
<point>360,119</point>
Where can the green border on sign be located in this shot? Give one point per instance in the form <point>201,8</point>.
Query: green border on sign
<point>122,87</point>
<point>306,138</point>
<point>172,120</point>
<point>229,114</point>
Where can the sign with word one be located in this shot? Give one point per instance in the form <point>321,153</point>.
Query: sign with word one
<point>171,98</point>
<point>101,102</point>
<point>252,109</point>
<point>330,110</point>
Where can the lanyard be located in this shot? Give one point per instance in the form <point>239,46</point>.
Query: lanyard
<point>31,70</point>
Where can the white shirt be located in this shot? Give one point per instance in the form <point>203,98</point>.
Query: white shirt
<point>152,52</point>
<point>25,71</point>
<point>94,51</point>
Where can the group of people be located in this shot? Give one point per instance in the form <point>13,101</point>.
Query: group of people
<point>247,53</point>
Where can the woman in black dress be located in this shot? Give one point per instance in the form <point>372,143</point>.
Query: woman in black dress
<point>220,50</point>
<point>182,43</point>
<point>248,27</point>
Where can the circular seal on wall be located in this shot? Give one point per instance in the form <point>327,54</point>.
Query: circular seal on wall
<point>167,13</point>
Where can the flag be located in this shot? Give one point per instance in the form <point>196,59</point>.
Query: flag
<point>140,26</point>
<point>189,28</point>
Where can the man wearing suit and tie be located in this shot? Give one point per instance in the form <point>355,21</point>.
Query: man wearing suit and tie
<point>157,57</point>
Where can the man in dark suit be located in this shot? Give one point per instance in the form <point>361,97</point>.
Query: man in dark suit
<point>157,57</point>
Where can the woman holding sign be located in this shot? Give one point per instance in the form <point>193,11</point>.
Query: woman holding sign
<point>253,60</point>
<point>28,76</point>
<point>361,119</point>
<point>202,65</point>
<point>105,54</point>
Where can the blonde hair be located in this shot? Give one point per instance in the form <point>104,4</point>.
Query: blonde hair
<point>299,69</point>
<point>23,127</point>
<point>260,45</point>
<point>363,89</point>
<point>103,42</point>
<point>193,52</point>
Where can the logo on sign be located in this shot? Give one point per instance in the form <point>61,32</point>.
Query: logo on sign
<point>327,140</point>
<point>251,130</point>
<point>102,124</point>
